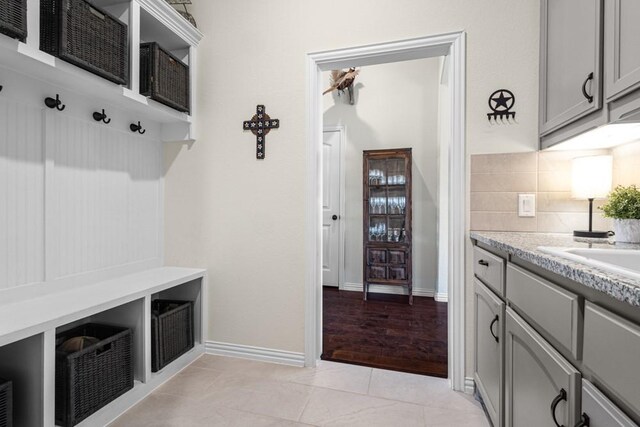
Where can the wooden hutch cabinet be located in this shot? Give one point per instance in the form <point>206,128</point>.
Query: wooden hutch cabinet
<point>387,218</point>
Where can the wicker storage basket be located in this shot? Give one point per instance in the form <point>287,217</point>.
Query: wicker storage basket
<point>6,403</point>
<point>86,36</point>
<point>164,77</point>
<point>171,331</point>
<point>13,18</point>
<point>88,379</point>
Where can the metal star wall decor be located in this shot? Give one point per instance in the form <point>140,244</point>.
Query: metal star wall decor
<point>260,125</point>
<point>501,102</point>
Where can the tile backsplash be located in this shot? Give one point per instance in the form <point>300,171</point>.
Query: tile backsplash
<point>497,179</point>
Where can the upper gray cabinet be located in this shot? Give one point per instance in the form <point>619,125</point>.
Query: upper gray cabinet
<point>622,38</point>
<point>589,68</point>
<point>570,61</point>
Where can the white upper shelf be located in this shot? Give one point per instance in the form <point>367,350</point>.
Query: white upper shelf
<point>166,16</point>
<point>155,20</point>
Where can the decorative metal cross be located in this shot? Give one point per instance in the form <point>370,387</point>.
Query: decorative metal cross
<point>260,125</point>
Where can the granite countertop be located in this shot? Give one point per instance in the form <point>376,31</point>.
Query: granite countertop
<point>525,246</point>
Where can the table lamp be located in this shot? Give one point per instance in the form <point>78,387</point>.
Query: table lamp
<point>591,179</point>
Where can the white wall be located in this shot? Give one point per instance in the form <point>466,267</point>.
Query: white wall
<point>247,216</point>
<point>396,107</point>
<point>444,140</point>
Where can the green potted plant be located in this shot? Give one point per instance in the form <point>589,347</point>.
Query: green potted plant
<point>623,206</point>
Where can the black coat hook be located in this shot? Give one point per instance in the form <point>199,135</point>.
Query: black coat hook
<point>1,88</point>
<point>54,103</point>
<point>137,128</point>
<point>101,117</point>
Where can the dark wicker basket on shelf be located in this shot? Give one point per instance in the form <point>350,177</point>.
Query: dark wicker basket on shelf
<point>86,36</point>
<point>164,77</point>
<point>88,379</point>
<point>13,18</point>
<point>6,403</point>
<point>171,331</point>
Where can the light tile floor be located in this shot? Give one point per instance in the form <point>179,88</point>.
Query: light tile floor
<point>225,391</point>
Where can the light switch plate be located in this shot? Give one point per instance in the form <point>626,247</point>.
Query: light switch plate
<point>526,205</point>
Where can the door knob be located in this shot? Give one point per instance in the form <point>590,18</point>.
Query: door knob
<point>334,217</point>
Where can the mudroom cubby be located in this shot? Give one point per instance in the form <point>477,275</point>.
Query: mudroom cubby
<point>191,291</point>
<point>82,209</point>
<point>147,21</point>
<point>22,363</point>
<point>131,316</point>
<point>28,329</point>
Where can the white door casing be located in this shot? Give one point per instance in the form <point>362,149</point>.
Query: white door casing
<point>331,212</point>
<point>454,46</point>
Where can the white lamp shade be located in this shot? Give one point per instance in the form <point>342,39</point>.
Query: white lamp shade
<point>591,177</point>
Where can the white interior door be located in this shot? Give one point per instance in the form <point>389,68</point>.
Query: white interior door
<point>331,208</point>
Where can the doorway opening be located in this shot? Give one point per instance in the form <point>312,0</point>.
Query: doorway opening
<point>380,201</point>
<point>451,46</point>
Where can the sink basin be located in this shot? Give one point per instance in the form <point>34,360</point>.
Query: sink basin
<point>625,262</point>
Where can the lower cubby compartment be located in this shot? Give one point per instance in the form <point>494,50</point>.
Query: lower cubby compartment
<point>171,331</point>
<point>97,370</point>
<point>22,363</point>
<point>6,403</point>
<point>93,368</point>
<point>176,316</point>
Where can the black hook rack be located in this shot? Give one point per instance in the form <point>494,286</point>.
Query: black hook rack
<point>137,128</point>
<point>54,103</point>
<point>101,117</point>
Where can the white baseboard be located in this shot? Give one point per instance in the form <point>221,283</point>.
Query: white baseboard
<point>442,297</point>
<point>255,353</point>
<point>469,385</point>
<point>386,289</point>
<point>423,293</point>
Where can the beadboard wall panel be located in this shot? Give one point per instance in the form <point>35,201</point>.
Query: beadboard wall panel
<point>104,188</point>
<point>21,195</point>
<point>79,201</point>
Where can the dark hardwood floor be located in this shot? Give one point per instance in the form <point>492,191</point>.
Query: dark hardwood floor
<point>385,332</point>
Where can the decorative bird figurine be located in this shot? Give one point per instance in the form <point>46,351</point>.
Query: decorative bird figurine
<point>185,13</point>
<point>341,80</point>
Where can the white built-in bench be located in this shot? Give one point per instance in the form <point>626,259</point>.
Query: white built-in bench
<point>28,327</point>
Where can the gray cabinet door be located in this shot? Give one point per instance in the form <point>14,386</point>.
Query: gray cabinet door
<point>489,341</point>
<point>536,379</point>
<point>570,61</point>
<point>622,38</point>
<point>611,354</point>
<point>598,411</point>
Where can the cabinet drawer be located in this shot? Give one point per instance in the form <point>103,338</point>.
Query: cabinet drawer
<point>554,309</point>
<point>397,256</point>
<point>377,256</point>
<point>489,268</point>
<point>612,353</point>
<point>376,272</point>
<point>600,411</point>
<point>397,273</point>
<point>384,256</point>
